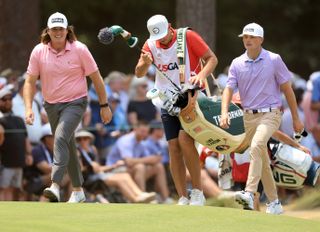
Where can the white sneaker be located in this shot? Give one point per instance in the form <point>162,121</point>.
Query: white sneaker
<point>77,197</point>
<point>101,199</point>
<point>274,207</point>
<point>183,201</point>
<point>197,198</point>
<point>245,198</point>
<point>52,193</point>
<point>146,197</point>
<point>168,201</point>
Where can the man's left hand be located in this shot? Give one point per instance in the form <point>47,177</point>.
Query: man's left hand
<point>197,80</point>
<point>298,126</point>
<point>105,114</point>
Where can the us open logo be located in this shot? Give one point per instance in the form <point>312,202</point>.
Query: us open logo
<point>156,30</point>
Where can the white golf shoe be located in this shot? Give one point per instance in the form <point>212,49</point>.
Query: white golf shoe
<point>245,198</point>
<point>77,197</point>
<point>197,198</point>
<point>274,207</point>
<point>146,197</point>
<point>52,193</point>
<point>183,201</point>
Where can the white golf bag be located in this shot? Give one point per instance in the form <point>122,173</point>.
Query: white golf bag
<point>293,168</point>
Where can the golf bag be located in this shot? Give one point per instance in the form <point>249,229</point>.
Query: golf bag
<point>293,168</point>
<point>200,118</point>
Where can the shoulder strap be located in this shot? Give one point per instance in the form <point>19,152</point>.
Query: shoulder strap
<point>181,52</point>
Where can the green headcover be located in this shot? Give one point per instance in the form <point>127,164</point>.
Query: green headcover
<point>118,30</point>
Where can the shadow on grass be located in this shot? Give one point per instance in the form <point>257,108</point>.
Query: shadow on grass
<point>229,203</point>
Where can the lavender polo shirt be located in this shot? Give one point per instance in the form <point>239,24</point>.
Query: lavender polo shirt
<point>62,74</point>
<point>258,80</point>
<point>126,146</point>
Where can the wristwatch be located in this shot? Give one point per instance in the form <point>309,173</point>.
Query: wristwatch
<point>104,105</point>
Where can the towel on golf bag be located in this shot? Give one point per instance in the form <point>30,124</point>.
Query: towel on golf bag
<point>240,166</point>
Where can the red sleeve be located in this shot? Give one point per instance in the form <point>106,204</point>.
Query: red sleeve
<point>196,44</point>
<point>197,47</point>
<point>146,48</point>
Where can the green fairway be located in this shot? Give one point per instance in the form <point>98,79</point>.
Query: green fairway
<point>45,217</point>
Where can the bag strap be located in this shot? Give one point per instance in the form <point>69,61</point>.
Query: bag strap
<point>181,52</point>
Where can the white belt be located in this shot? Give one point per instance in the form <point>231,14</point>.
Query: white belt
<point>262,110</point>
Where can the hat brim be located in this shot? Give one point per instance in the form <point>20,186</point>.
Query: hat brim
<point>84,134</point>
<point>249,33</point>
<point>5,92</point>
<point>159,36</point>
<point>57,25</point>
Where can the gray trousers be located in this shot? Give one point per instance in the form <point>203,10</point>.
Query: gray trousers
<point>64,119</point>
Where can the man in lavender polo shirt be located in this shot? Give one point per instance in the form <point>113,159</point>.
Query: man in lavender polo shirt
<point>260,76</point>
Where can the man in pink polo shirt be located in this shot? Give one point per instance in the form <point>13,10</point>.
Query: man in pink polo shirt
<point>61,63</point>
<point>260,76</point>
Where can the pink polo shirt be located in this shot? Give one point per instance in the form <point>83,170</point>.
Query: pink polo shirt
<point>62,74</point>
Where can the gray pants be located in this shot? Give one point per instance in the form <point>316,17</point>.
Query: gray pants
<point>64,119</point>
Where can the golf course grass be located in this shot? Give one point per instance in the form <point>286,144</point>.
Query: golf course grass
<point>58,217</point>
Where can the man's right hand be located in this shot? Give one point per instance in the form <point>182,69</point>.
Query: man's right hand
<point>146,57</point>
<point>224,121</point>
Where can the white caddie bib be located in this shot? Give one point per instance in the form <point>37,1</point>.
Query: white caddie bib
<point>167,62</point>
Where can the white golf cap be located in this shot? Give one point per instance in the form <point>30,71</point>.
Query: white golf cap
<point>158,27</point>
<point>57,20</point>
<point>46,130</point>
<point>84,133</point>
<point>6,90</point>
<point>252,29</point>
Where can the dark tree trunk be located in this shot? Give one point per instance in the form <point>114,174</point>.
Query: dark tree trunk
<point>19,30</point>
<point>200,15</point>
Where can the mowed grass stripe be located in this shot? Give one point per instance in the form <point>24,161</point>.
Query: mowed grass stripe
<point>46,217</point>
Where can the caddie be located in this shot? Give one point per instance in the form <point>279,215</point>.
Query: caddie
<point>180,62</point>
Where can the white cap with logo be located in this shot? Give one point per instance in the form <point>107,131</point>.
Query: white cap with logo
<point>158,27</point>
<point>253,29</point>
<point>57,20</point>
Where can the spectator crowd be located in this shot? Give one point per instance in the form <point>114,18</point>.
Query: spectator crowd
<point>125,160</point>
